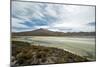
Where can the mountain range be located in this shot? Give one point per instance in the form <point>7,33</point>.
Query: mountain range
<point>46,32</point>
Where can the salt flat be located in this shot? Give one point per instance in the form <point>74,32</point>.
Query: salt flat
<point>83,46</point>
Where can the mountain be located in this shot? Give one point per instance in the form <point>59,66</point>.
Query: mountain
<point>38,32</point>
<point>46,32</point>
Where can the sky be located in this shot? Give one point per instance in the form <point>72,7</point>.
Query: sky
<point>27,16</point>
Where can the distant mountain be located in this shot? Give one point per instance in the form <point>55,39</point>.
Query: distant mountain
<point>46,32</point>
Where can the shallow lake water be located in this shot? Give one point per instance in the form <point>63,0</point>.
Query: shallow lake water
<point>83,46</point>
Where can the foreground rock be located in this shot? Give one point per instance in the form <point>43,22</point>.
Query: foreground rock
<point>24,54</point>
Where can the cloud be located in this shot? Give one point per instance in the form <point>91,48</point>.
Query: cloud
<point>17,23</point>
<point>91,24</point>
<point>56,17</point>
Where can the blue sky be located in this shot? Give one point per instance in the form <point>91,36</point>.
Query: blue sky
<point>28,16</point>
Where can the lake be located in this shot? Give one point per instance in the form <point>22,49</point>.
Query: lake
<point>83,46</point>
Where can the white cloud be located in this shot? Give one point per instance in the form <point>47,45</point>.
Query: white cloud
<point>26,10</point>
<point>76,18</point>
<point>66,17</point>
<point>17,23</point>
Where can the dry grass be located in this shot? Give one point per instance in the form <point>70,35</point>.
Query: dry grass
<point>25,54</point>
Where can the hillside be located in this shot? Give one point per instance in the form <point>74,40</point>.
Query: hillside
<point>24,54</point>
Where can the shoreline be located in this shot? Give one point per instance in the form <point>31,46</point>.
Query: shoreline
<point>41,55</point>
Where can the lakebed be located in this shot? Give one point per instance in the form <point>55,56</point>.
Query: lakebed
<point>82,46</point>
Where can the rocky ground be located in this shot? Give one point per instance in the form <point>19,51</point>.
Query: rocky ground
<point>24,54</point>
